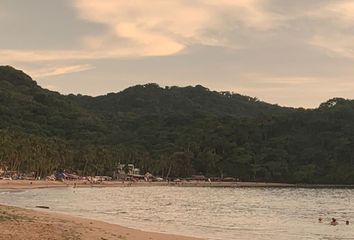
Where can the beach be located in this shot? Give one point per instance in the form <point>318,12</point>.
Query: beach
<point>28,184</point>
<point>203,212</point>
<point>17,223</point>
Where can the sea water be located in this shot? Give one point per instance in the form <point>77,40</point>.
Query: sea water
<point>210,213</point>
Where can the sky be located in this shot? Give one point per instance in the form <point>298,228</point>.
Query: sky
<point>289,52</point>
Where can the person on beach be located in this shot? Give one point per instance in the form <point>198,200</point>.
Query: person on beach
<point>334,222</point>
<point>320,220</point>
<point>347,222</point>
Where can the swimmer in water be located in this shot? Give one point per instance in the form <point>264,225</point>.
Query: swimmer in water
<point>334,222</point>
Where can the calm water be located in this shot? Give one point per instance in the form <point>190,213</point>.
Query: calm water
<point>213,213</point>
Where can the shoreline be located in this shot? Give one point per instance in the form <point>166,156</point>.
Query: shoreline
<point>28,223</point>
<point>19,223</point>
<point>27,184</point>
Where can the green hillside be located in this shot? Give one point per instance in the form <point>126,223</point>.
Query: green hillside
<point>173,131</point>
<point>151,99</point>
<point>26,107</point>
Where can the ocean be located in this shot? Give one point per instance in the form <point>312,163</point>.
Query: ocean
<point>210,213</point>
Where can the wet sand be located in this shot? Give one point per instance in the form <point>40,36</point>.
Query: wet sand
<point>26,184</point>
<point>17,223</point>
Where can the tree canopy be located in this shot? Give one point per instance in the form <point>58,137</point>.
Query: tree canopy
<point>173,131</point>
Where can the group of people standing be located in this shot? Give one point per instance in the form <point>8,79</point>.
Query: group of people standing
<point>333,222</point>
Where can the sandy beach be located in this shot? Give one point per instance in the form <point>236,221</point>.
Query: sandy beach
<point>27,184</point>
<point>17,223</point>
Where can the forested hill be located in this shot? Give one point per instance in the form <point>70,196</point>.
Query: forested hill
<point>151,99</point>
<point>26,107</point>
<point>173,132</point>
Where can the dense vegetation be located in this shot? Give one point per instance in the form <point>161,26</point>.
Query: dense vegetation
<point>173,132</point>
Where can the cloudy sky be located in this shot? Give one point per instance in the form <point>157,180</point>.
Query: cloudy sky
<point>289,52</point>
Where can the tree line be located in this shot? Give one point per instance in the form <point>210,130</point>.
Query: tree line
<point>173,132</point>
